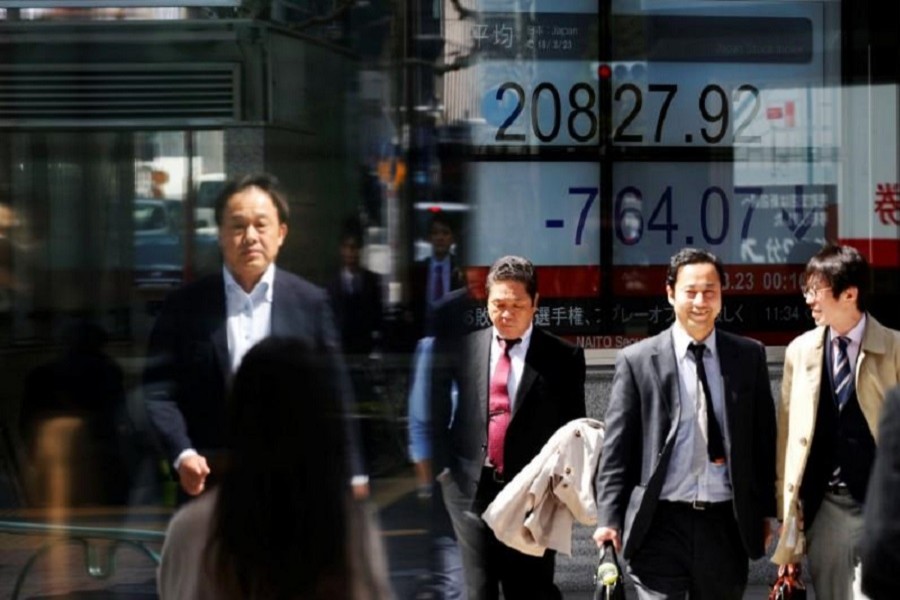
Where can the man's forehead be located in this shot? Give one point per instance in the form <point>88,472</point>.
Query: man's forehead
<point>440,228</point>
<point>816,278</point>
<point>508,288</point>
<point>697,273</point>
<point>699,284</point>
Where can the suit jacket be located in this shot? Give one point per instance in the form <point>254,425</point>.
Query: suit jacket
<point>880,545</point>
<point>641,425</point>
<point>188,365</point>
<point>877,370</point>
<point>359,314</point>
<point>549,395</point>
<point>418,282</point>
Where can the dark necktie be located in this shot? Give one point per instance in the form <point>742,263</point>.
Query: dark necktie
<point>715,447</point>
<point>842,375</point>
<point>843,380</point>
<point>438,283</point>
<point>498,404</point>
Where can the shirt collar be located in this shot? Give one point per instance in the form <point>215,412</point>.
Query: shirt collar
<point>855,334</point>
<point>682,340</point>
<point>523,341</point>
<point>444,262</point>
<point>263,286</point>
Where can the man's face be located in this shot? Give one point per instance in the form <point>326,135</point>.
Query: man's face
<point>350,253</point>
<point>827,310</point>
<point>510,308</point>
<point>697,298</point>
<point>441,238</point>
<point>250,235</point>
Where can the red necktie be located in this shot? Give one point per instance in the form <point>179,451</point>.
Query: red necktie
<point>438,283</point>
<point>498,405</point>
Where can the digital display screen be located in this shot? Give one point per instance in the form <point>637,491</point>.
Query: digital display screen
<point>695,204</point>
<point>535,81</point>
<point>731,78</point>
<point>549,211</point>
<point>714,125</point>
<point>43,4</point>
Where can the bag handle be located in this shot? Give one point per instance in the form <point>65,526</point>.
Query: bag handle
<point>606,576</point>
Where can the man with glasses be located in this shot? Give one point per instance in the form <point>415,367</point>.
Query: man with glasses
<point>832,393</point>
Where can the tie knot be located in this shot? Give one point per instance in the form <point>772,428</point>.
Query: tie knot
<point>507,345</point>
<point>698,350</point>
<point>843,341</point>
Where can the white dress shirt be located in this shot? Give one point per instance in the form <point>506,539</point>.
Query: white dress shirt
<point>516,359</point>
<point>248,316</point>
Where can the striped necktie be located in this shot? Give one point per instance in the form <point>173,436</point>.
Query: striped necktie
<point>843,374</point>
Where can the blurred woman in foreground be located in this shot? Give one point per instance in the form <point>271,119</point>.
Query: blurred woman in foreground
<point>282,523</point>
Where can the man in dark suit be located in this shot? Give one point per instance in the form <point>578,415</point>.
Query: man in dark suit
<point>435,276</point>
<point>686,479</point>
<point>880,541</point>
<point>205,329</point>
<point>517,385</point>
<point>355,294</point>
<point>356,297</point>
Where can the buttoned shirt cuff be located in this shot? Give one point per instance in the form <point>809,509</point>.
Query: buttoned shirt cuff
<point>184,454</point>
<point>359,480</point>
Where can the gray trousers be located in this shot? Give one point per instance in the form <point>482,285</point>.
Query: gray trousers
<point>833,548</point>
<point>488,565</point>
<point>468,528</point>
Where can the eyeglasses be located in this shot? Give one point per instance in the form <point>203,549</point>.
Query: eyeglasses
<point>812,293</point>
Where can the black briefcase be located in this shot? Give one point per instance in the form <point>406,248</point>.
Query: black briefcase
<point>608,581</point>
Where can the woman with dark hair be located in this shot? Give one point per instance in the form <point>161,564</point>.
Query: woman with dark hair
<point>282,523</point>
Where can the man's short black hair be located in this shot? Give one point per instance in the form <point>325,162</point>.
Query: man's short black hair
<point>841,267</point>
<point>693,256</point>
<point>265,182</point>
<point>351,229</point>
<point>513,268</point>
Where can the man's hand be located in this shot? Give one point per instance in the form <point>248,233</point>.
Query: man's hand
<point>608,534</point>
<point>360,491</point>
<point>192,474</point>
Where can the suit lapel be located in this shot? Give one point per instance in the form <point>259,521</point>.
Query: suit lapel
<point>874,342</point>
<point>812,370</point>
<point>529,372</point>
<point>730,367</point>
<point>219,315</point>
<point>283,321</point>
<point>667,372</point>
<point>481,355</point>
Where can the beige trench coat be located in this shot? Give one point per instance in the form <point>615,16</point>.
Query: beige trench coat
<point>536,510</point>
<point>877,370</point>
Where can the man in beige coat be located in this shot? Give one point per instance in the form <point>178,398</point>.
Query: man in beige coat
<point>835,378</point>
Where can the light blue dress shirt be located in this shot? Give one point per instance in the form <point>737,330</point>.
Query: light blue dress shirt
<point>691,476</point>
